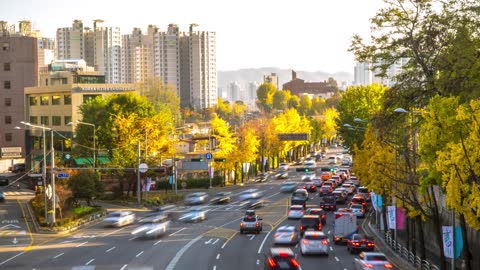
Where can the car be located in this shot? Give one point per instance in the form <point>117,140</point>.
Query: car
<point>283,166</point>
<point>221,197</point>
<point>310,164</point>
<point>310,222</point>
<point>310,187</point>
<point>295,212</point>
<point>360,242</point>
<point>119,219</point>
<point>340,195</point>
<point>196,198</point>
<point>332,160</point>
<point>314,242</point>
<point>325,176</point>
<point>19,167</point>
<point>2,197</point>
<point>300,192</point>
<point>317,181</point>
<point>286,235</point>
<point>355,180</point>
<point>253,203</point>
<point>359,199</point>
<point>350,188</point>
<point>298,162</point>
<point>281,258</point>
<point>328,203</point>
<point>262,177</point>
<point>330,183</point>
<point>282,175</point>
<point>364,191</point>
<point>318,211</point>
<point>325,190</point>
<point>152,226</point>
<point>194,215</point>
<point>249,194</point>
<point>288,187</point>
<point>371,260</point>
<point>308,177</point>
<point>251,223</point>
<point>358,210</point>
<point>336,179</point>
<point>4,181</point>
<point>346,161</point>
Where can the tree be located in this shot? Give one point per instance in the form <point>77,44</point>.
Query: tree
<point>223,109</point>
<point>248,145</point>
<point>329,125</point>
<point>318,105</point>
<point>280,100</point>
<point>294,102</point>
<point>265,94</point>
<point>305,105</point>
<point>162,96</point>
<point>86,185</point>
<point>225,141</point>
<point>63,194</point>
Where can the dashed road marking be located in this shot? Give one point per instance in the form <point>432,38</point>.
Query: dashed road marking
<point>336,258</point>
<point>58,255</point>
<point>218,256</point>
<point>214,242</point>
<point>158,242</point>
<point>184,228</point>
<point>110,249</point>
<point>89,262</point>
<point>139,254</point>
<point>79,245</point>
<point>124,266</point>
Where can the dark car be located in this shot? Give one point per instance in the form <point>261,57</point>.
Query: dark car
<point>4,181</point>
<point>340,196</point>
<point>310,222</point>
<point>360,242</point>
<point>221,197</point>
<point>325,190</point>
<point>281,258</point>
<point>318,211</point>
<point>19,167</point>
<point>310,187</point>
<point>359,199</point>
<point>328,203</point>
<point>2,197</point>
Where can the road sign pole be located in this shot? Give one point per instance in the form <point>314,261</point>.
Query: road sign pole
<point>138,174</point>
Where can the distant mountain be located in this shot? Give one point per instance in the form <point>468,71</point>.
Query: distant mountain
<point>243,76</point>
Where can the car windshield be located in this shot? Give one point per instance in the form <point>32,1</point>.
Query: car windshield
<point>314,236</point>
<point>363,190</point>
<point>285,230</point>
<point>309,221</point>
<point>356,206</point>
<point>115,215</point>
<point>249,219</point>
<point>377,257</point>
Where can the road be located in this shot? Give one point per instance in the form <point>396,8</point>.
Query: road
<point>211,244</point>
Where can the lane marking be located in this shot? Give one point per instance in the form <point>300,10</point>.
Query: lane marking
<point>82,244</point>
<point>214,267</point>
<point>336,259</point>
<point>174,261</point>
<point>132,238</point>
<point>110,249</point>
<point>263,242</point>
<point>158,242</point>
<point>331,248</point>
<point>124,266</point>
<point>59,255</point>
<point>252,236</point>
<point>209,241</point>
<point>218,256</point>
<point>139,254</point>
<point>89,262</point>
<point>214,242</point>
<point>224,244</point>
<point>28,228</point>
<point>184,228</point>
<point>110,233</point>
<point>258,261</point>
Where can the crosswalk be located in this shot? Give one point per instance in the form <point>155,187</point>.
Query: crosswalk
<point>12,232</point>
<point>18,193</point>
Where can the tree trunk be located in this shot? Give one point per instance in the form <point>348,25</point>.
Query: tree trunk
<point>437,227</point>
<point>466,254</point>
<point>421,237</point>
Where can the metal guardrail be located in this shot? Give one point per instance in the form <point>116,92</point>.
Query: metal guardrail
<point>408,255</point>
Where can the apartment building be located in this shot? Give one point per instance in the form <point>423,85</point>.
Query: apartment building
<point>137,53</point>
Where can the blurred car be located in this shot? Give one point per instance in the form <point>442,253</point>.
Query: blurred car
<point>152,226</point>
<point>317,181</point>
<point>295,211</point>
<point>2,197</point>
<point>355,180</point>
<point>262,177</point>
<point>286,235</point>
<point>221,197</point>
<point>371,260</point>
<point>119,219</point>
<point>4,181</point>
<point>300,192</point>
<point>360,242</point>
<point>196,198</point>
<point>253,203</point>
<point>298,162</point>
<point>364,191</point>
<point>310,222</point>
<point>282,175</point>
<point>310,164</point>
<point>346,161</point>
<point>283,166</point>
<point>358,210</point>
<point>314,242</point>
<point>318,211</point>
<point>359,199</point>
<point>340,195</point>
<point>250,194</point>
<point>325,176</point>
<point>328,203</point>
<point>288,187</point>
<point>281,258</point>
<point>251,223</point>
<point>332,160</point>
<point>194,215</point>
<point>350,188</point>
<point>310,187</point>
<point>308,177</point>
<point>19,167</point>
<point>325,190</point>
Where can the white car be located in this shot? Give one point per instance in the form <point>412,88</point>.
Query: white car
<point>119,219</point>
<point>314,242</point>
<point>295,212</point>
<point>250,194</point>
<point>358,210</point>
<point>372,260</point>
<point>194,215</point>
<point>286,235</point>
<point>152,226</point>
<point>308,177</point>
<point>310,164</point>
<point>332,160</point>
<point>196,198</point>
<point>346,161</point>
<point>283,166</point>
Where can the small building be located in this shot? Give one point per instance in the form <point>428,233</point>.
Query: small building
<point>298,87</point>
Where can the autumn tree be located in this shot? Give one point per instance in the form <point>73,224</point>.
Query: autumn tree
<point>86,185</point>
<point>280,99</point>
<point>305,105</point>
<point>329,124</point>
<point>265,94</point>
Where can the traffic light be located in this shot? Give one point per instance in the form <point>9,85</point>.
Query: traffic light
<point>219,159</point>
<point>196,159</point>
<point>303,169</point>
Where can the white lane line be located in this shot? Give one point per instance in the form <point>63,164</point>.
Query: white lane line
<point>174,261</point>
<point>214,267</point>
<point>218,256</point>
<point>58,255</point>
<point>336,258</point>
<point>124,266</point>
<point>252,236</point>
<point>139,254</point>
<point>132,238</point>
<point>110,249</point>
<point>79,245</point>
<point>214,242</point>
<point>258,261</point>
<point>263,242</point>
<point>328,232</point>
<point>158,242</point>
<point>89,262</point>
<point>11,258</point>
<point>184,228</point>
<point>110,233</point>
<point>209,241</point>
<point>235,220</point>
<point>331,248</point>
<point>272,195</point>
<point>224,244</point>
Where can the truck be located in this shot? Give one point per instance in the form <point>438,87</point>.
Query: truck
<point>345,226</point>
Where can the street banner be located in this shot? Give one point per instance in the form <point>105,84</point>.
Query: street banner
<point>149,184</point>
<point>373,196</point>
<point>400,217</point>
<point>245,167</point>
<point>379,202</point>
<point>391,217</point>
<point>449,244</point>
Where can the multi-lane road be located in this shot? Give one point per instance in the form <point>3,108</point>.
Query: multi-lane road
<point>211,244</point>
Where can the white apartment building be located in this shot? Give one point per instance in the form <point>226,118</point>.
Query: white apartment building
<point>137,57</point>
<point>364,73</point>
<point>71,41</point>
<point>233,92</point>
<point>167,57</point>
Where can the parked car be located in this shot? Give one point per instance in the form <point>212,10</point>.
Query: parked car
<point>314,242</point>
<point>119,219</point>
<point>281,258</point>
<point>286,235</point>
<point>196,198</point>
<point>372,260</point>
<point>19,167</point>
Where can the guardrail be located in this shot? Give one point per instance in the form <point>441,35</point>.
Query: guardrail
<point>408,255</point>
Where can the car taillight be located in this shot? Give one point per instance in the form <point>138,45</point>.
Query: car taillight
<point>370,244</point>
<point>325,242</point>
<point>356,244</point>
<point>388,265</point>
<point>319,227</point>
<point>257,224</point>
<point>323,216</point>
<point>289,212</point>
<point>301,227</point>
<point>294,262</point>
<point>368,265</point>
<point>301,212</point>
<point>284,255</point>
<point>272,263</point>
<point>241,224</point>
<point>305,242</point>
<point>276,235</point>
<point>337,238</point>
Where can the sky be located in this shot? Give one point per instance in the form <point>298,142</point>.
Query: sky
<point>307,35</point>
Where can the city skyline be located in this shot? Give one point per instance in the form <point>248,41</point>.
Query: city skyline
<point>316,35</point>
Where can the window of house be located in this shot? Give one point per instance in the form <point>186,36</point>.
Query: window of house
<point>66,120</point>
<point>8,119</point>
<point>8,102</point>
<point>34,120</point>
<point>6,67</point>
<point>33,100</point>
<point>8,137</point>
<point>67,99</point>
<point>44,120</point>
<point>7,85</point>
<point>55,100</point>
<point>44,100</point>
<point>56,120</point>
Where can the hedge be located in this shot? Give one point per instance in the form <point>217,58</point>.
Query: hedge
<point>192,183</point>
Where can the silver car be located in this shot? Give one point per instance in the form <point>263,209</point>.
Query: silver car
<point>288,187</point>
<point>286,235</point>
<point>152,226</point>
<point>119,219</point>
<point>250,194</point>
<point>194,215</point>
<point>372,260</point>
<point>314,242</point>
<point>195,198</point>
<point>295,212</point>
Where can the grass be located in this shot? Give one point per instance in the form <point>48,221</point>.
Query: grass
<point>78,211</point>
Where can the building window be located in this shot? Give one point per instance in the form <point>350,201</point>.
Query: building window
<point>67,99</point>
<point>44,120</point>
<point>33,100</point>
<point>46,82</point>
<point>66,120</point>
<point>55,100</point>
<point>6,67</point>
<point>34,120</point>
<point>7,85</point>
<point>44,100</point>
<point>8,102</point>
<point>64,80</point>
<point>56,120</point>
<point>8,119</point>
<point>8,137</point>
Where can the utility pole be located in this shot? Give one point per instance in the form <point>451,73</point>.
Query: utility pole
<point>138,174</point>
<point>53,178</point>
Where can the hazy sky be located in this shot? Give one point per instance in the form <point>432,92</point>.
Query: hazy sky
<point>310,35</point>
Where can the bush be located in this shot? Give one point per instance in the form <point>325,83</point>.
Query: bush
<point>192,183</point>
<point>162,199</point>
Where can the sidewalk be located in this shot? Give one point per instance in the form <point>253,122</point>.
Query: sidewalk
<point>381,245</point>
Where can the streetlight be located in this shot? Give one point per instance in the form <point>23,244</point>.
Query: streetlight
<point>94,144</point>
<point>44,169</point>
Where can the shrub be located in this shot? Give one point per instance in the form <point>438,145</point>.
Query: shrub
<point>192,183</point>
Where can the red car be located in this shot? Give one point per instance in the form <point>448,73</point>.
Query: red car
<point>310,187</point>
<point>360,242</point>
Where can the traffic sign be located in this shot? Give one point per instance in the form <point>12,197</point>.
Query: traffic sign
<point>63,175</point>
<point>143,168</point>
<point>293,136</point>
<point>209,156</point>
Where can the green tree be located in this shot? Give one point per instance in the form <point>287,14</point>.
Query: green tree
<point>305,105</point>
<point>280,100</point>
<point>294,102</point>
<point>265,94</point>
<point>162,96</point>
<point>86,185</point>
<point>318,105</point>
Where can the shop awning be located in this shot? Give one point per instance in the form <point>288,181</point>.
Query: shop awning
<point>83,161</point>
<point>103,160</point>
